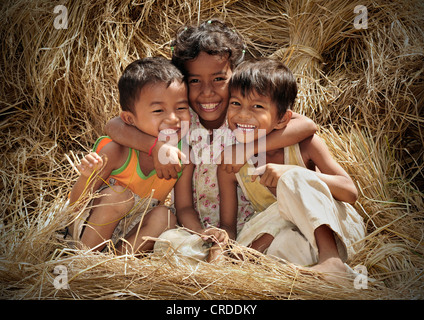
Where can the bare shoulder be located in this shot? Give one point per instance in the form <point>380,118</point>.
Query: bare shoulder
<point>311,140</point>
<point>317,151</point>
<point>314,152</point>
<point>115,153</point>
<point>312,145</point>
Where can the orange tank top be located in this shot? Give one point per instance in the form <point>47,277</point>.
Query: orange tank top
<point>130,175</point>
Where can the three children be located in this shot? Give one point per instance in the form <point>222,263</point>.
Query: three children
<point>255,98</point>
<point>207,55</point>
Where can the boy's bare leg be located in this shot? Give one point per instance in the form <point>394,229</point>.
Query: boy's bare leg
<point>109,209</point>
<point>153,224</point>
<point>329,261</point>
<point>262,243</point>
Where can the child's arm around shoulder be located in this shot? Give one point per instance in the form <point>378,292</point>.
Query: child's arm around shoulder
<point>314,150</point>
<point>111,156</point>
<point>131,137</point>
<point>127,135</point>
<point>297,129</point>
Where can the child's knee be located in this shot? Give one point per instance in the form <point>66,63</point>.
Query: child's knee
<point>163,216</point>
<point>118,196</point>
<point>168,217</point>
<point>294,174</point>
<point>302,179</point>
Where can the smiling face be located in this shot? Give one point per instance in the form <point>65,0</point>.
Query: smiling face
<point>208,77</point>
<point>161,110</point>
<point>253,116</point>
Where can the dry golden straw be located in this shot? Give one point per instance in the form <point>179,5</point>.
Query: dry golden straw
<point>364,87</point>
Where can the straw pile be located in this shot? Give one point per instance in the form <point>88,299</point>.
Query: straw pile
<point>58,88</point>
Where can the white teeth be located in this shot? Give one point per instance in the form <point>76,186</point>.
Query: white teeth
<point>209,106</point>
<point>168,131</point>
<point>245,126</point>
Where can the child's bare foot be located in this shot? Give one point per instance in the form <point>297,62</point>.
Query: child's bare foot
<point>333,269</point>
<point>329,262</point>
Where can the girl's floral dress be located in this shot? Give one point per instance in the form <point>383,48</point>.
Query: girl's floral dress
<point>205,181</point>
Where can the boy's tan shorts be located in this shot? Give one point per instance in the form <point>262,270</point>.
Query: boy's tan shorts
<point>124,226</point>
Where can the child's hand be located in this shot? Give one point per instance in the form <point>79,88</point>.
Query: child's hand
<point>166,160</point>
<point>215,235</point>
<point>89,163</point>
<point>230,162</point>
<point>271,173</point>
<point>219,237</point>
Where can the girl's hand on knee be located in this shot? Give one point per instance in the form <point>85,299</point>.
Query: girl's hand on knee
<point>89,163</point>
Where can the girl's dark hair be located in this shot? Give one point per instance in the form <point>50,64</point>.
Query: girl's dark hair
<point>142,72</point>
<point>267,77</point>
<point>213,37</point>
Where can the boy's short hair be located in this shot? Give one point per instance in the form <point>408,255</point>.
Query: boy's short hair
<point>268,77</point>
<point>213,37</point>
<point>141,73</point>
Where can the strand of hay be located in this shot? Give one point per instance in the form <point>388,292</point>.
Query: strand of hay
<point>58,89</point>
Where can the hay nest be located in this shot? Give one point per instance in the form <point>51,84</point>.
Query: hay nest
<point>58,89</point>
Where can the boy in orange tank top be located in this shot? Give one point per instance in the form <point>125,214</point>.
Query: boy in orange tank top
<point>130,206</point>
